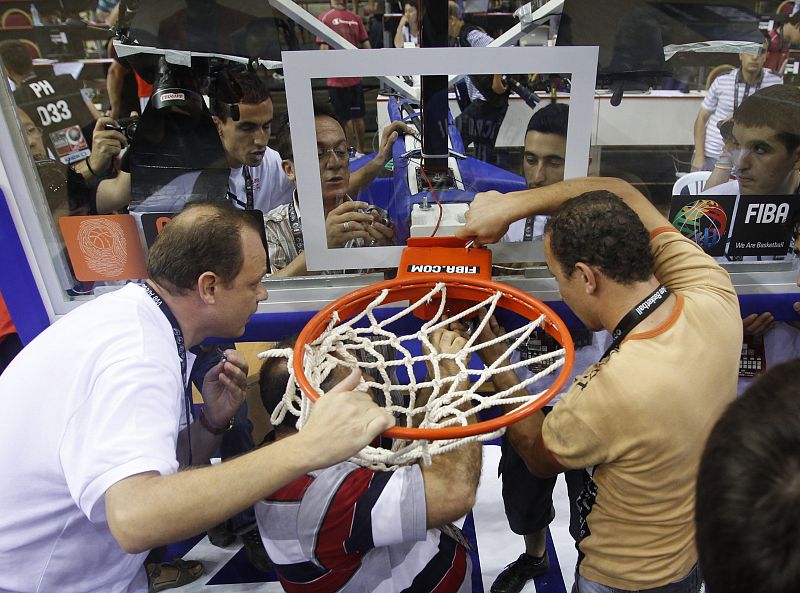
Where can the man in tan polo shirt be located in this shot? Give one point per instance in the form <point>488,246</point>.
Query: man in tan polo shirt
<point>638,419</point>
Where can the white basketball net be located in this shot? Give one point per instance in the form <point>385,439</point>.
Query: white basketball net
<point>449,403</point>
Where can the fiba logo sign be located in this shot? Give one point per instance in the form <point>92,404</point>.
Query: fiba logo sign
<point>767,213</point>
<point>703,221</point>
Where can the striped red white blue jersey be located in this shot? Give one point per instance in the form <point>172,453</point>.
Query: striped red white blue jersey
<point>350,529</point>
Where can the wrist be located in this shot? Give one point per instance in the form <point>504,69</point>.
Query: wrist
<point>214,426</point>
<point>95,171</point>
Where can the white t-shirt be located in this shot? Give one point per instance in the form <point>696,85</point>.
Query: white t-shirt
<point>271,188</point>
<point>96,398</point>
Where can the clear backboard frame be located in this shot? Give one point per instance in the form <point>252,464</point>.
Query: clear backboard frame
<point>301,67</point>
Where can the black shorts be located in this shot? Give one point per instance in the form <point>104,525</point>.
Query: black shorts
<point>528,499</point>
<point>348,101</point>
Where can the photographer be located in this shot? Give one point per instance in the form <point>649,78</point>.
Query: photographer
<point>348,222</point>
<point>70,189</point>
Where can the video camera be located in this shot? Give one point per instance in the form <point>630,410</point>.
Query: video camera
<point>519,84</point>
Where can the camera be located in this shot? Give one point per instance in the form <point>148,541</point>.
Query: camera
<point>126,126</point>
<point>519,85</point>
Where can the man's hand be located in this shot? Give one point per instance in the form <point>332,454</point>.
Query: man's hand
<point>757,324</point>
<point>345,223</point>
<point>224,388</point>
<point>485,221</point>
<point>492,330</point>
<point>342,422</point>
<point>388,136</point>
<point>449,340</point>
<point>106,145</point>
<point>698,162</point>
<point>380,234</point>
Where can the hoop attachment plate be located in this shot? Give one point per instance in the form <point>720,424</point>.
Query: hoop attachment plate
<point>448,257</point>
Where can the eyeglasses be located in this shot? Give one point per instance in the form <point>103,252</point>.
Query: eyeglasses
<point>33,131</point>
<point>324,154</point>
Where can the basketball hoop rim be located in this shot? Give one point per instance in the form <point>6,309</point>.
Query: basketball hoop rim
<point>513,299</point>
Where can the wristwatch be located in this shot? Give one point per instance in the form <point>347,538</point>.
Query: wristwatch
<point>206,423</point>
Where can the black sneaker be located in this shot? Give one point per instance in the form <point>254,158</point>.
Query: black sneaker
<point>254,548</point>
<point>519,572</point>
<point>221,536</point>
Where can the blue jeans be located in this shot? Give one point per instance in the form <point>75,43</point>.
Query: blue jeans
<point>688,584</point>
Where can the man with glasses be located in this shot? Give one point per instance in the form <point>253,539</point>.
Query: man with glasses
<point>348,222</point>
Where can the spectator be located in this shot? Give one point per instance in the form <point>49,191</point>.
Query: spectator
<point>408,27</point>
<point>721,100</point>
<point>348,222</point>
<point>630,418</point>
<point>484,100</point>
<point>781,39</point>
<point>748,488</point>
<point>347,94</point>
<point>353,528</point>
<point>766,142</point>
<point>55,103</point>
<point>93,445</point>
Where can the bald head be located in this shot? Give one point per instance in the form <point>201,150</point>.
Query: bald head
<point>205,237</point>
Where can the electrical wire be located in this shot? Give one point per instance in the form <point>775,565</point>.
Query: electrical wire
<point>435,197</point>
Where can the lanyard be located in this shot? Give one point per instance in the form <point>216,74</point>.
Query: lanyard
<point>248,186</point>
<point>297,229</point>
<point>177,333</point>
<point>248,190</point>
<point>746,88</point>
<point>636,315</point>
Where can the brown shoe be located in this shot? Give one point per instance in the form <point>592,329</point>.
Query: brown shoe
<point>167,575</point>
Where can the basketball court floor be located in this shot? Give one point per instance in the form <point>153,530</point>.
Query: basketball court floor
<point>228,571</point>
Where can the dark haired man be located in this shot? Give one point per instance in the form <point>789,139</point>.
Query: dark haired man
<point>256,179</point>
<point>766,155</point>
<point>634,418</point>
<point>528,499</point>
<point>348,222</point>
<point>94,444</point>
<point>749,483</point>
<point>350,528</point>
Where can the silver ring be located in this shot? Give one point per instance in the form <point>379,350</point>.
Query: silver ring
<point>346,226</point>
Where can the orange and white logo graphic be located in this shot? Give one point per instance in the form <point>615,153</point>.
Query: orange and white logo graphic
<point>103,247</point>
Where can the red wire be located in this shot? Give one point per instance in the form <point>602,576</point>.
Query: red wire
<point>436,198</point>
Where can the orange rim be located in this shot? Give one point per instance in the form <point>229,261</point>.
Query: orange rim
<point>468,289</point>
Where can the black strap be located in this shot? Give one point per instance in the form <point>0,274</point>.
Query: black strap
<point>248,186</point>
<point>180,344</point>
<point>747,92</point>
<point>528,234</point>
<point>636,315</point>
<point>297,229</point>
